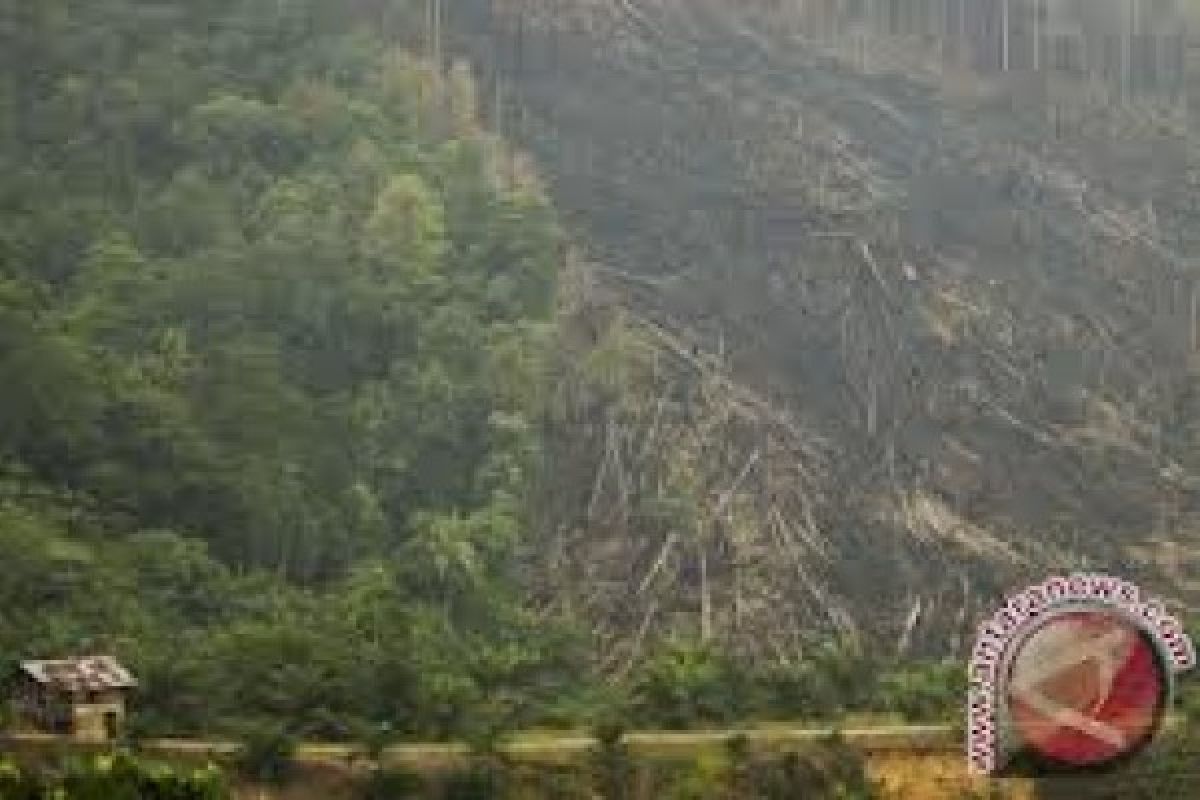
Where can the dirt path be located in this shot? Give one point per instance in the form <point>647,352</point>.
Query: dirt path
<point>556,746</point>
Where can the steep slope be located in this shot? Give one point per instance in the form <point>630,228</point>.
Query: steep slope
<point>892,340</point>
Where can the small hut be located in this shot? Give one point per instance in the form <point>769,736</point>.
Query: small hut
<point>82,697</point>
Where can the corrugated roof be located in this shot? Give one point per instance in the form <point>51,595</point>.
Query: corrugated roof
<point>89,673</point>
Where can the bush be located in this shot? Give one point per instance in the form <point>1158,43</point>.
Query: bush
<point>689,684</point>
<point>392,784</point>
<point>800,691</point>
<point>376,739</point>
<point>551,782</point>
<point>611,763</point>
<point>484,779</point>
<point>699,779</point>
<point>267,754</point>
<point>828,770</point>
<point>125,778</point>
<point>924,692</point>
<point>119,777</point>
<point>19,784</point>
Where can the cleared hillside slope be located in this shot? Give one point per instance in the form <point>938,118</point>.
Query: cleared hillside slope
<point>888,339</point>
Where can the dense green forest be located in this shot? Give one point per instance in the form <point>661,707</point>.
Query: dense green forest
<point>273,315</point>
<point>277,339</point>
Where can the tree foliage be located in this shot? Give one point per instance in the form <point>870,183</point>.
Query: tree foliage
<point>277,333</point>
<point>117,777</point>
<point>270,320</point>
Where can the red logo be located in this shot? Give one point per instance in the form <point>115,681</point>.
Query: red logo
<point>1085,688</point>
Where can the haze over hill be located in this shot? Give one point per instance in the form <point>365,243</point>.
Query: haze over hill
<point>907,334</point>
<point>633,372</point>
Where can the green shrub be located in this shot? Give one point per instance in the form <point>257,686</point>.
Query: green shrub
<point>550,782</point>
<point>688,684</point>
<point>116,777</point>
<point>830,770</point>
<point>376,739</point>
<point>267,754</point>
<point>123,777</point>
<point>482,779</point>
<point>611,763</point>
<point>392,784</point>
<point>701,778</point>
<point>19,784</point>
<point>923,692</point>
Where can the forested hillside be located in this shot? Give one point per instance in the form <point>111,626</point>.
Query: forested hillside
<point>328,410</point>
<point>293,354</point>
<point>273,310</point>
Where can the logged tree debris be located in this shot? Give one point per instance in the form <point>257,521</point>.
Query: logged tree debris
<point>882,321</point>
